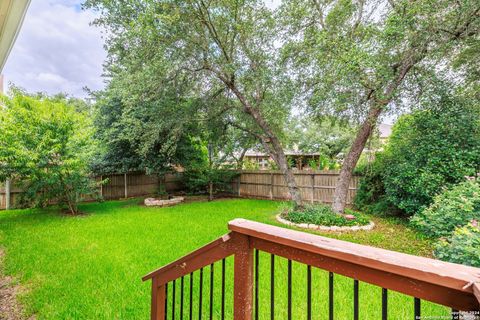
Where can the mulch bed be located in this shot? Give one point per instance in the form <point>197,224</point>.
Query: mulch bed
<point>10,308</point>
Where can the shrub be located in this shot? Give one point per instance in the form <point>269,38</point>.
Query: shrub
<point>455,207</point>
<point>323,215</point>
<point>431,149</point>
<point>197,180</point>
<point>463,246</point>
<point>370,195</point>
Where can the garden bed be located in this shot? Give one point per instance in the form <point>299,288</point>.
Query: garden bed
<point>321,217</point>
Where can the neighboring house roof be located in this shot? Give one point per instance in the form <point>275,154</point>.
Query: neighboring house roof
<point>251,153</point>
<point>385,130</point>
<point>12,13</point>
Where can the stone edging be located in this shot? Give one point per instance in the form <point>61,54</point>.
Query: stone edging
<point>326,228</point>
<point>152,202</point>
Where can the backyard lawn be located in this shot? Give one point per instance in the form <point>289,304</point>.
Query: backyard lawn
<point>90,267</point>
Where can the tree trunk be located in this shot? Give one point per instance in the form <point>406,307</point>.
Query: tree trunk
<point>241,158</point>
<point>278,155</point>
<point>290,181</point>
<point>376,107</point>
<point>343,182</point>
<point>271,144</point>
<point>210,190</point>
<point>210,171</point>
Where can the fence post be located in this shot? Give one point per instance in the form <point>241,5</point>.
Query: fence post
<point>126,187</point>
<point>101,186</point>
<point>313,187</point>
<point>271,186</point>
<point>239,183</point>
<point>243,280</point>
<point>7,194</point>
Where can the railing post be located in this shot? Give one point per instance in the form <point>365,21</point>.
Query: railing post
<point>243,280</point>
<point>158,301</point>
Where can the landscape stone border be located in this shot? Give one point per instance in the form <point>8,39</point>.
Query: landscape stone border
<point>152,202</point>
<point>325,228</point>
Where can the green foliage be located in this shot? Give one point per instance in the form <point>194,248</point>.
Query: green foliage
<point>329,137</point>
<point>202,170</point>
<point>453,208</point>
<point>463,246</point>
<point>370,195</point>
<point>180,66</point>
<point>291,162</point>
<point>138,138</point>
<point>118,153</point>
<point>348,53</point>
<point>272,165</point>
<point>323,215</point>
<point>431,149</point>
<point>47,145</point>
<point>250,164</point>
<point>197,181</point>
<point>323,163</point>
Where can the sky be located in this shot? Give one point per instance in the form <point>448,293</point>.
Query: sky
<point>57,50</point>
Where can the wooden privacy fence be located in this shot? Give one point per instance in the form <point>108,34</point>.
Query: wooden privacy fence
<point>138,184</point>
<point>133,184</point>
<point>315,186</point>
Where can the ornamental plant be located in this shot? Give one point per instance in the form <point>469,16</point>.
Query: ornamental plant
<point>463,246</point>
<point>323,215</point>
<point>451,209</point>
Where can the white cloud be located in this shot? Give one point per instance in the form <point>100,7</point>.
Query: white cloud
<point>57,50</point>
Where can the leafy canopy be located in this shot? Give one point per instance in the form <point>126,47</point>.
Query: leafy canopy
<point>46,146</point>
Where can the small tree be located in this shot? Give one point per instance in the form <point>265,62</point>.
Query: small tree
<point>46,145</point>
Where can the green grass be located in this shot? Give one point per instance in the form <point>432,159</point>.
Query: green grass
<point>90,267</point>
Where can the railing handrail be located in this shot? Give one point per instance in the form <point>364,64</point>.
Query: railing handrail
<point>449,284</point>
<point>441,282</point>
<point>209,253</point>
<point>438,272</point>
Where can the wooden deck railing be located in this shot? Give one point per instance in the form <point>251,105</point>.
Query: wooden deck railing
<point>452,285</point>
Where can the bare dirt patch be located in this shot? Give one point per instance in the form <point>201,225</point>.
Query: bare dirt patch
<point>10,308</point>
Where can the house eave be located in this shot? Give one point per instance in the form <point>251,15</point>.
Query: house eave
<point>12,13</point>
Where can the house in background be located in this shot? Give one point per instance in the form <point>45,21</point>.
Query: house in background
<point>264,161</point>
<point>384,131</point>
<point>301,160</point>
